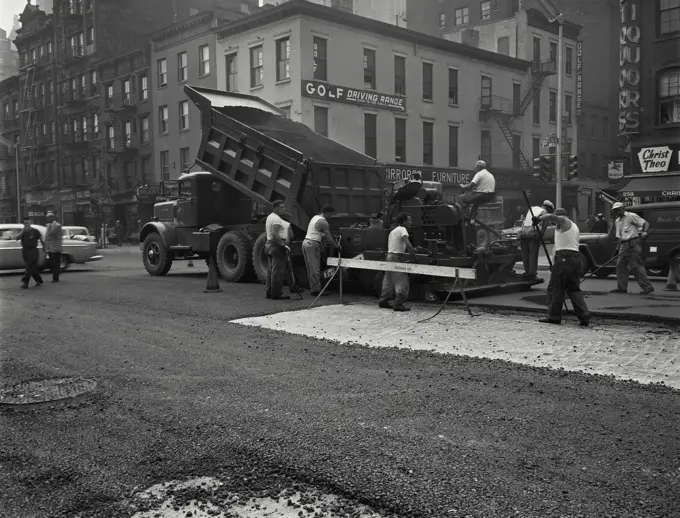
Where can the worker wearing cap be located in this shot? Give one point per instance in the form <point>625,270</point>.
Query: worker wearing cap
<point>530,240</point>
<point>483,187</point>
<point>630,230</point>
<point>565,277</point>
<point>600,225</point>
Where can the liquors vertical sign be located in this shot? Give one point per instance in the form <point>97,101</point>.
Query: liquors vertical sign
<point>629,62</point>
<point>579,78</point>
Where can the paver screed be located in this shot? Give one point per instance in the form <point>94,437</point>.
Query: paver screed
<point>639,352</point>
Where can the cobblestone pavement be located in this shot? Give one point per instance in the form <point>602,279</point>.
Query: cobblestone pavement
<point>643,353</point>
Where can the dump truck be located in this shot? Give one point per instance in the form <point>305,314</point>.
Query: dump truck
<point>252,155</point>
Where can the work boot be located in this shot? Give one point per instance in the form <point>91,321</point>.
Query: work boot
<point>585,323</point>
<point>671,287</point>
<point>647,291</point>
<point>24,286</point>
<point>384,305</point>
<point>282,297</point>
<point>616,290</point>
<point>548,320</point>
<point>38,284</point>
<point>401,308</point>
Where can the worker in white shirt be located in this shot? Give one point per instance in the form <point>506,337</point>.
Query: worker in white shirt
<point>483,187</point>
<point>630,230</point>
<point>395,284</point>
<point>276,249</point>
<point>530,240</point>
<point>318,234</point>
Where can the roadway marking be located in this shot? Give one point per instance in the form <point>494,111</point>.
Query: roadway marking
<point>644,353</point>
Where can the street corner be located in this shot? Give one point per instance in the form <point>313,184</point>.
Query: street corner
<point>206,497</point>
<point>644,353</point>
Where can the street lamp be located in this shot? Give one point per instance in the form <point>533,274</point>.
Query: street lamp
<point>14,145</point>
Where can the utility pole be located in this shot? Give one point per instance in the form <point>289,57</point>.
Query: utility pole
<point>560,102</point>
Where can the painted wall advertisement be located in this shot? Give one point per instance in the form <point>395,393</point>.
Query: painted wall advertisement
<point>579,78</point>
<point>344,94</point>
<point>658,159</point>
<point>629,62</point>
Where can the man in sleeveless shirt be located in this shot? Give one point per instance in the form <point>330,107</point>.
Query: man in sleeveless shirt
<point>565,277</point>
<point>276,248</point>
<point>318,233</point>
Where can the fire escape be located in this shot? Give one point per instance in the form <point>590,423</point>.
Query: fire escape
<point>119,143</point>
<point>506,111</point>
<point>30,120</point>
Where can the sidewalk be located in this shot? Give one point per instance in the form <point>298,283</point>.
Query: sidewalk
<point>126,248</point>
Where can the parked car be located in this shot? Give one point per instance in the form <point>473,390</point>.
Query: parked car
<point>514,232</point>
<point>74,251</point>
<point>78,234</point>
<point>661,249</point>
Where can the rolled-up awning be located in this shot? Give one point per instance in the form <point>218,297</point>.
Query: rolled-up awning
<point>662,185</point>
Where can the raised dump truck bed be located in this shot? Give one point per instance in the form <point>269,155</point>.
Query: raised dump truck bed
<point>248,144</point>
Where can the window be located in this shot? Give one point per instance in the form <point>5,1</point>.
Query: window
<point>53,132</point>
<point>536,101</point>
<point>90,35</point>
<point>537,52</point>
<point>183,115</point>
<point>184,159</point>
<point>553,107</point>
<point>453,146</point>
<point>503,46</point>
<point>516,151</point>
<point>95,126</point>
<point>108,96</point>
<point>399,140</point>
<point>461,16</point>
<point>230,62</point>
<point>516,99</point>
<point>485,10</point>
<point>75,124</point>
<point>165,165</point>
<point>256,67</point>
<point>427,81</point>
<point>144,129</point>
<point>286,111</point>
<point>400,75</point>
<point>320,67</point>
<point>127,134</point>
<point>487,90</point>
<point>669,16</point>
<point>428,137</point>
<point>567,107</point>
<point>162,72</point>
<point>50,93</point>
<point>369,69</point>
<point>283,59</point>
<point>182,67</point>
<point>485,150</point>
<point>553,51</point>
<point>370,135</point>
<point>536,147</point>
<point>569,61</point>
<point>93,82</point>
<point>5,111</point>
<point>453,87</point>
<point>605,127</point>
<point>442,20</point>
<point>669,96</point>
<point>321,120</point>
<point>203,60</point>
<point>86,135</point>
<point>110,137</point>
<point>126,91</point>
<point>48,48</point>
<point>163,120</point>
<point>143,88</point>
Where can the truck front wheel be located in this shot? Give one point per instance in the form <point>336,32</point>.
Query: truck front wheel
<point>157,258</point>
<point>234,254</point>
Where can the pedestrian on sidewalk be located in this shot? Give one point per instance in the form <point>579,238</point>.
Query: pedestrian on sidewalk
<point>530,240</point>
<point>276,249</point>
<point>318,234</point>
<point>53,245</point>
<point>119,230</point>
<point>630,231</point>
<point>395,284</point>
<point>565,276</point>
<point>30,237</point>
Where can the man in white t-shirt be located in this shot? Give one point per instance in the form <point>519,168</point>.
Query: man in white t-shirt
<point>276,249</point>
<point>395,284</point>
<point>483,187</point>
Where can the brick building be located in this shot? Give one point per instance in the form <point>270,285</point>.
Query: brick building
<point>9,130</point>
<point>9,58</point>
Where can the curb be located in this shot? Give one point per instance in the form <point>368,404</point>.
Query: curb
<point>632,317</point>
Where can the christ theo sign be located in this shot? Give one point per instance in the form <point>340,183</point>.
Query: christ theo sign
<point>344,94</point>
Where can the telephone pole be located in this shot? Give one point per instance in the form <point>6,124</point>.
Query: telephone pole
<point>560,102</point>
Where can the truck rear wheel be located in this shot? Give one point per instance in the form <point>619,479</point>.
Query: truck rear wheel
<point>157,258</point>
<point>234,252</point>
<point>260,258</point>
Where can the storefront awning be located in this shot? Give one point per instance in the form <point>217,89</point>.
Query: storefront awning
<point>664,185</point>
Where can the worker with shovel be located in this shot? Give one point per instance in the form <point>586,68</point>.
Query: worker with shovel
<point>318,233</point>
<point>630,230</point>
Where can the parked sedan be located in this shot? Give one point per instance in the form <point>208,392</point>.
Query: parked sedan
<point>74,252</point>
<point>78,233</point>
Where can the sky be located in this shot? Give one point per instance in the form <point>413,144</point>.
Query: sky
<point>8,8</point>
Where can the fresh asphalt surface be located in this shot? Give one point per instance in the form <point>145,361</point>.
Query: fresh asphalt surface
<point>184,393</point>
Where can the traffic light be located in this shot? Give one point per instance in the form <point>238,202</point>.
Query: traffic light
<point>547,167</point>
<point>538,171</point>
<point>573,167</point>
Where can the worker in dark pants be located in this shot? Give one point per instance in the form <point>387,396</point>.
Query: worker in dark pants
<point>565,277</point>
<point>395,285</point>
<point>30,237</point>
<point>53,245</point>
<point>276,250</point>
<point>318,234</point>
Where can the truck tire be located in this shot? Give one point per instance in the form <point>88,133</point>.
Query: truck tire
<point>260,258</point>
<point>157,259</point>
<point>234,253</point>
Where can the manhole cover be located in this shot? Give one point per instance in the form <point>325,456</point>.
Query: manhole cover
<point>45,391</point>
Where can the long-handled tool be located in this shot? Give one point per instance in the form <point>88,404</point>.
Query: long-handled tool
<point>337,269</point>
<point>294,286</point>
<point>540,236</point>
<point>586,277</point>
<point>448,295</point>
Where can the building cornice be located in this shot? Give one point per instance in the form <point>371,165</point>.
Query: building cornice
<point>297,8</point>
<point>127,56</point>
<point>537,19</point>
<point>178,27</point>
